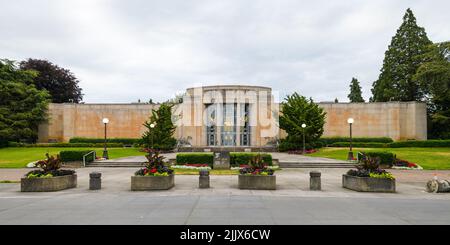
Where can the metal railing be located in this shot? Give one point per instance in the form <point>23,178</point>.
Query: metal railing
<point>84,157</point>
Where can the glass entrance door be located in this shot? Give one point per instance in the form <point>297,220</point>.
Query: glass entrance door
<point>228,132</point>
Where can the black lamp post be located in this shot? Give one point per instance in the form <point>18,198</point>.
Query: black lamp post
<point>105,151</point>
<point>152,126</point>
<point>350,153</point>
<point>304,148</point>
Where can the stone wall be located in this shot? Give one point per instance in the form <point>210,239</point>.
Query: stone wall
<point>398,120</point>
<point>85,120</point>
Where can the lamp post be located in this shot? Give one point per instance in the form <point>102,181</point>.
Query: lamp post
<point>304,126</point>
<point>105,151</point>
<point>152,126</point>
<point>350,153</point>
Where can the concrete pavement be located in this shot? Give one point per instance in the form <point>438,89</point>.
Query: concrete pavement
<point>292,203</point>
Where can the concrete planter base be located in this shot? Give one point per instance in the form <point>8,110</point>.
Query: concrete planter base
<point>257,182</point>
<point>48,184</point>
<point>367,184</point>
<point>148,183</point>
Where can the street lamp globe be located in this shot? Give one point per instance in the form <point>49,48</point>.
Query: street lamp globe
<point>105,120</point>
<point>303,125</point>
<point>350,120</point>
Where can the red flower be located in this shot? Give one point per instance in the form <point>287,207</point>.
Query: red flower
<point>153,170</point>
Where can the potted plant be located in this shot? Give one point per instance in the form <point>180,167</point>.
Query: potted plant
<point>257,176</point>
<point>154,176</point>
<point>49,177</point>
<point>369,177</point>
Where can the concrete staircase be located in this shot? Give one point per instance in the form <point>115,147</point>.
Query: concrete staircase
<point>109,164</point>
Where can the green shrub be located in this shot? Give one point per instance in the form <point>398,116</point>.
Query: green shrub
<point>125,141</point>
<point>296,143</point>
<point>360,144</point>
<point>243,158</point>
<point>68,156</point>
<point>330,140</point>
<point>95,145</point>
<point>386,158</point>
<point>195,158</point>
<point>420,143</point>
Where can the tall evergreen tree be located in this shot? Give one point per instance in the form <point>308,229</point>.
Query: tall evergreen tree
<point>22,106</point>
<point>434,77</point>
<point>160,137</point>
<point>400,63</point>
<point>355,95</point>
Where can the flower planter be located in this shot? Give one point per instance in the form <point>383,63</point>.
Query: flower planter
<point>257,182</point>
<point>368,184</point>
<point>48,184</point>
<point>148,183</point>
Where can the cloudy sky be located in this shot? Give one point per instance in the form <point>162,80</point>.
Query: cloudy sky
<point>123,51</point>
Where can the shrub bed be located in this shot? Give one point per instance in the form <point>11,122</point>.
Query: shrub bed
<point>360,144</point>
<point>243,158</point>
<point>69,156</point>
<point>125,141</point>
<point>195,158</point>
<point>236,158</point>
<point>96,145</point>
<point>386,158</point>
<point>420,143</point>
<point>330,140</point>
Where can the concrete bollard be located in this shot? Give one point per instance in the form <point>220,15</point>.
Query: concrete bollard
<point>95,181</point>
<point>314,181</point>
<point>203,179</point>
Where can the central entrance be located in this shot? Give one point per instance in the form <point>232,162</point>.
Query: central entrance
<point>228,125</point>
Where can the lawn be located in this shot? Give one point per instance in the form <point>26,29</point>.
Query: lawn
<point>428,158</point>
<point>18,157</point>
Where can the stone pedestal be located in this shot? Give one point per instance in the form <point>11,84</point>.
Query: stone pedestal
<point>315,183</point>
<point>203,181</point>
<point>221,160</point>
<point>95,181</point>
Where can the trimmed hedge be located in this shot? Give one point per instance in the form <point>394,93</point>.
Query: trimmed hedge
<point>420,143</point>
<point>236,158</point>
<point>69,156</point>
<point>195,158</point>
<point>243,158</point>
<point>330,140</point>
<point>125,141</point>
<point>386,158</point>
<point>96,145</point>
<point>360,144</point>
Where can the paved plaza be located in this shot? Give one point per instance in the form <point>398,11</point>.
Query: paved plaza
<point>291,203</point>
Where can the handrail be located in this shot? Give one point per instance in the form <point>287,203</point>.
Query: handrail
<point>358,154</point>
<point>84,157</point>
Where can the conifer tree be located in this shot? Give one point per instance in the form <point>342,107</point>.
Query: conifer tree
<point>395,82</point>
<point>355,95</point>
<point>160,137</point>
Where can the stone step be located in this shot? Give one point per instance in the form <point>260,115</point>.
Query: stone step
<point>115,164</point>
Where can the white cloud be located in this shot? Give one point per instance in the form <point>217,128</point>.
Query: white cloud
<point>128,50</point>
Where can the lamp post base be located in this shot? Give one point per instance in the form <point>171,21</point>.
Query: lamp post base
<point>350,155</point>
<point>105,154</point>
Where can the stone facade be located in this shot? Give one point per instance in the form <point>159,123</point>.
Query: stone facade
<point>232,116</point>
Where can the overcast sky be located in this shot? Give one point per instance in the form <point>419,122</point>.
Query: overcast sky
<point>123,51</point>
